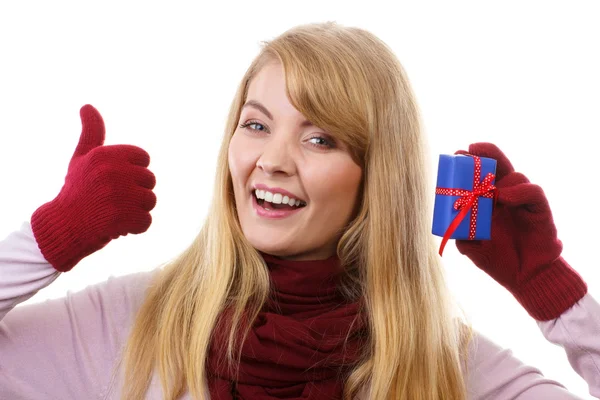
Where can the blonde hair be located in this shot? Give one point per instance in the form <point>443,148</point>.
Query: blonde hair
<point>349,83</point>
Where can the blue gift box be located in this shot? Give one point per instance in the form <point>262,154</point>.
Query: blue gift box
<point>457,172</point>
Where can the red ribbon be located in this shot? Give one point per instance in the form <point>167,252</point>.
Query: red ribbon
<point>469,199</point>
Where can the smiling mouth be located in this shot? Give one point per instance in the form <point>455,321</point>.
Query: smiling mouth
<point>273,206</point>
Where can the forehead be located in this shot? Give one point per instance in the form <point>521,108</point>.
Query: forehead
<point>271,78</point>
<point>268,87</point>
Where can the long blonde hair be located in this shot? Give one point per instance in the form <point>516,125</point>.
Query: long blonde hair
<point>349,83</point>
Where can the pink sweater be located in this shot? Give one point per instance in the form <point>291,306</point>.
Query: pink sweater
<point>66,348</point>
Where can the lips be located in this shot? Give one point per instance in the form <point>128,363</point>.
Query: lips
<point>274,213</point>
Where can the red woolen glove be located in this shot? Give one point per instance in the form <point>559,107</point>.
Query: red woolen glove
<point>524,253</point>
<point>107,194</point>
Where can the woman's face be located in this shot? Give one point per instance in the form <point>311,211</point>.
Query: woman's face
<point>280,150</point>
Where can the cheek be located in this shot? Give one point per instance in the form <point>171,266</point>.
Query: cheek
<point>240,163</point>
<point>341,187</point>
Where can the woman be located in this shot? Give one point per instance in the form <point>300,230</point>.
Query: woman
<point>338,294</point>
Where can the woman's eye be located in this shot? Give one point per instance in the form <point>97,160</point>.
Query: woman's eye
<point>324,142</point>
<point>249,124</point>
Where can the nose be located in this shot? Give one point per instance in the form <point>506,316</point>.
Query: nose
<point>275,158</point>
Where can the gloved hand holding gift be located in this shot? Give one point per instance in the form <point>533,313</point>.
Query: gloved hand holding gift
<point>519,248</point>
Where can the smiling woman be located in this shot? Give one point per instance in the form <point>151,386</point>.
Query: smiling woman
<point>325,115</point>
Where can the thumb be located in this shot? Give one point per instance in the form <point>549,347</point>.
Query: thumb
<point>92,130</point>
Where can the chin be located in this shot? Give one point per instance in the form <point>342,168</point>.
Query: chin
<point>270,248</point>
<point>279,249</point>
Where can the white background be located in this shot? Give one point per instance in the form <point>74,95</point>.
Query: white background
<point>523,75</point>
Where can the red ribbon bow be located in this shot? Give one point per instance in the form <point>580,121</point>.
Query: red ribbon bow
<point>469,199</point>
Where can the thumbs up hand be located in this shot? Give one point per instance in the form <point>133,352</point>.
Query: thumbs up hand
<point>107,193</point>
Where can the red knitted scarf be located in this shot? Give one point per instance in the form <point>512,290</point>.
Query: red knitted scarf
<point>295,349</point>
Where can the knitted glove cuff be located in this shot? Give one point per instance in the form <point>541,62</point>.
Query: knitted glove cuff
<point>552,291</point>
<point>62,244</point>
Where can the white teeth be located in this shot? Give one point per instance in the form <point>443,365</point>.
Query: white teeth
<point>277,198</point>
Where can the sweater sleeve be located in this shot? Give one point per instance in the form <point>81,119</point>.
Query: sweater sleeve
<point>494,373</point>
<point>62,348</point>
<point>577,330</point>
<point>23,269</point>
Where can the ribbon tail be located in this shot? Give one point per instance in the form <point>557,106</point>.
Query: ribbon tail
<point>455,223</point>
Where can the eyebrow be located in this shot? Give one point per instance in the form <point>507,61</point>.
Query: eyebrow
<point>257,105</point>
